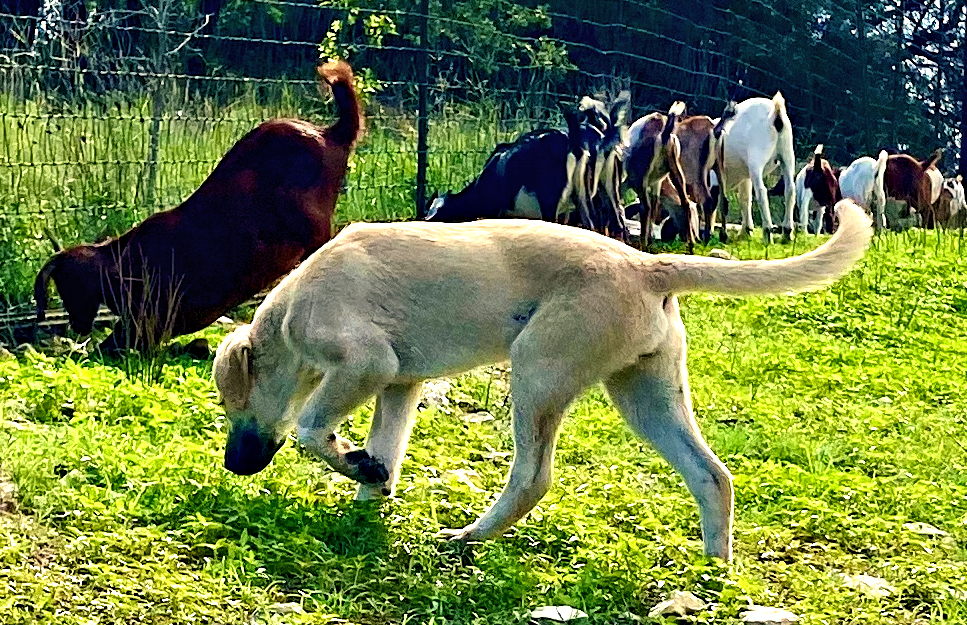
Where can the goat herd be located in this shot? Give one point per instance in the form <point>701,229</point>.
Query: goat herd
<point>677,163</point>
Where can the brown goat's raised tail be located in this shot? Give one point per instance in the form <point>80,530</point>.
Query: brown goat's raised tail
<point>933,159</point>
<point>339,76</point>
<point>676,273</point>
<point>40,287</point>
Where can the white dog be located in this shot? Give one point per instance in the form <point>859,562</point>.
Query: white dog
<point>383,307</point>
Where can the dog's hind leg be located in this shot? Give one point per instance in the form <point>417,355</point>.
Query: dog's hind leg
<point>392,422</point>
<point>545,378</point>
<point>653,397</point>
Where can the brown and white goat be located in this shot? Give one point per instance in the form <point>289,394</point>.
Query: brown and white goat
<point>653,152</point>
<point>906,180</point>
<point>699,150</point>
<point>951,208</point>
<point>817,180</point>
<point>266,207</point>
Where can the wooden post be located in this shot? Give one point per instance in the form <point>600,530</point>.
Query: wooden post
<point>422,125</point>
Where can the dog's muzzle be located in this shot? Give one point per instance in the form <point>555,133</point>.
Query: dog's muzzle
<point>247,452</point>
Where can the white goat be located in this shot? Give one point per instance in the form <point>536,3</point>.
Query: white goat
<point>862,182</point>
<point>755,140</point>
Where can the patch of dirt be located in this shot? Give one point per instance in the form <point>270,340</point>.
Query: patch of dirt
<point>8,495</point>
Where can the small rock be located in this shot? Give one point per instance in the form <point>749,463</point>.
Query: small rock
<point>5,353</point>
<point>478,417</point>
<point>680,603</point>
<point>224,321</point>
<point>924,529</point>
<point>435,393</point>
<point>493,454</point>
<point>723,254</point>
<point>559,613</point>
<point>885,400</point>
<point>286,608</point>
<point>465,477</point>
<point>869,585</point>
<point>762,615</point>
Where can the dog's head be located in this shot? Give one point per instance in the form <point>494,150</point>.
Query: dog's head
<point>254,435</point>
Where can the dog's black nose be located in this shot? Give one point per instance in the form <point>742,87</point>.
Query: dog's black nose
<point>247,453</point>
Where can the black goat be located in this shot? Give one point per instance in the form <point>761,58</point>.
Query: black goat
<point>533,177</point>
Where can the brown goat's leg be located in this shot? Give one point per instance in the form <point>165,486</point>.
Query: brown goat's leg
<point>117,342</point>
<point>673,162</point>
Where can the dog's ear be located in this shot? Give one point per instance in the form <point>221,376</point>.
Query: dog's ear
<point>234,369</point>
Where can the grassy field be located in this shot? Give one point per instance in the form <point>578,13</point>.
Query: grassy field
<point>840,414</point>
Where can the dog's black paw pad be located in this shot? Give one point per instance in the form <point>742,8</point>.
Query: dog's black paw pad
<point>368,469</point>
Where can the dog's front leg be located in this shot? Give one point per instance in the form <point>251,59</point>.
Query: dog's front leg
<point>343,388</point>
<point>392,423</point>
<point>344,457</point>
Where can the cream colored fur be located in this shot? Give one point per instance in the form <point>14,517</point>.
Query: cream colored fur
<point>383,307</point>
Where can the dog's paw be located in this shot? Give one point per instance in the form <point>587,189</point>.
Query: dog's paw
<point>368,470</point>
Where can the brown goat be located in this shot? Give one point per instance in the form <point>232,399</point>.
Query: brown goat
<point>266,207</point>
<point>699,149</point>
<point>906,180</point>
<point>653,152</point>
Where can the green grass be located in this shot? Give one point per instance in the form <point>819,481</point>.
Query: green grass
<point>840,414</point>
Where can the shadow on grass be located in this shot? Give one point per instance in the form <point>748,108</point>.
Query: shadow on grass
<point>217,517</point>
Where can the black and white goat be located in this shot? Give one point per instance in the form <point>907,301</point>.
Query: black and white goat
<point>548,174</point>
<point>538,176</point>
<point>611,120</point>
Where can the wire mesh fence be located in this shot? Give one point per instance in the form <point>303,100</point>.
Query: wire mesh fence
<point>110,111</point>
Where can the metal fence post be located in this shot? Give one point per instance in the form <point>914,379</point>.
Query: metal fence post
<point>422,126</point>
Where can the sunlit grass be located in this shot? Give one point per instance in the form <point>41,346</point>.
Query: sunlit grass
<point>840,414</point>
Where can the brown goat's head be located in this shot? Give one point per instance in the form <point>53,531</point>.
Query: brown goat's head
<point>78,273</point>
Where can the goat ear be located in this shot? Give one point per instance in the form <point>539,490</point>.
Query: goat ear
<point>234,369</point>
<point>620,108</point>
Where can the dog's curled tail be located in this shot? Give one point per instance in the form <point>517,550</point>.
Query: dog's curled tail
<point>827,263</point>
<point>351,123</point>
